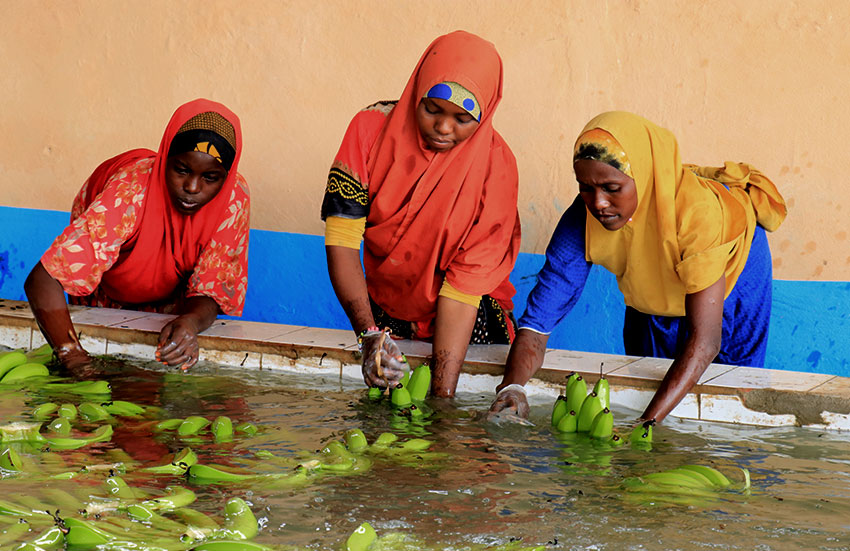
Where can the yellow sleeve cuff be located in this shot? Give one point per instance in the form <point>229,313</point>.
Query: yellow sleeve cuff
<point>344,232</point>
<point>450,292</point>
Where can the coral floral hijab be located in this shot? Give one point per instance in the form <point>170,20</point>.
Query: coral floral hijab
<point>167,244</point>
<point>692,224</point>
<point>442,215</point>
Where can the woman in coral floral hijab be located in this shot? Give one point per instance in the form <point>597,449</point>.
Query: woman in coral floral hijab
<point>163,231</point>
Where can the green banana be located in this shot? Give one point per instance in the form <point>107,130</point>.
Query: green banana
<point>603,389</point>
<point>123,408</point>
<point>168,424</point>
<point>176,497</point>
<point>52,538</point>
<point>82,387</point>
<point>14,532</point>
<point>60,426</point>
<point>716,477</point>
<point>570,380</point>
<point>415,445</point>
<point>699,477</point>
<point>42,412</point>
<point>117,487</point>
<point>84,533</point>
<point>92,412</point>
<point>568,422</point>
<point>400,397</point>
<point>206,474</point>
<point>248,428</point>
<point>362,538</point>
<point>222,429</point>
<point>225,545</point>
<point>69,411</point>
<point>603,425</point>
<point>559,409</point>
<point>590,408</point>
<point>192,425</point>
<point>642,434</point>
<point>576,392</point>
<point>140,512</point>
<point>40,355</point>
<point>101,434</point>
<point>344,460</point>
<point>184,459</point>
<point>375,393</point>
<point>21,432</point>
<point>14,509</point>
<point>415,413</point>
<point>10,460</point>
<point>197,522</point>
<point>356,440</point>
<point>11,360</point>
<point>239,521</point>
<point>405,379</point>
<point>383,441</point>
<point>420,383</point>
<point>674,479</point>
<point>24,371</point>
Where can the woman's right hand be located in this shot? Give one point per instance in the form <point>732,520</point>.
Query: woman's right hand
<point>511,399</point>
<point>76,360</point>
<point>392,361</point>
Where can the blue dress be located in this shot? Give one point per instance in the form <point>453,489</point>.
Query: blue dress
<point>746,311</point>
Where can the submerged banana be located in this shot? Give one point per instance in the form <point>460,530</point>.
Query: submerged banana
<point>568,422</point>
<point>82,387</point>
<point>239,521</point>
<point>420,383</point>
<point>192,425</point>
<point>11,360</point>
<point>184,459</point>
<point>101,434</point>
<point>45,410</point>
<point>222,429</point>
<point>23,372</point>
<point>362,538</point>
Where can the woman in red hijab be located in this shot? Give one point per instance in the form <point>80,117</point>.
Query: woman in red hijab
<point>163,231</point>
<point>431,188</point>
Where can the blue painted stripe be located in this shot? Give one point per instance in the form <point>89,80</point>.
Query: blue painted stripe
<point>288,283</point>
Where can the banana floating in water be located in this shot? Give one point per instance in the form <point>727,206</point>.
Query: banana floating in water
<point>44,411</point>
<point>192,425</point>
<point>82,387</point>
<point>239,521</point>
<point>10,460</point>
<point>568,422</point>
<point>420,383</point>
<point>93,412</point>
<point>184,459</point>
<point>11,360</point>
<point>362,538</point>
<point>101,434</point>
<point>23,372</point>
<point>642,434</point>
<point>222,429</point>
<point>603,425</point>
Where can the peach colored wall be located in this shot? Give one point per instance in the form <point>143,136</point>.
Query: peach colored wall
<point>762,81</point>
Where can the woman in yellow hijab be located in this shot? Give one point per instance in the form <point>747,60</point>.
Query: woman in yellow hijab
<point>686,243</point>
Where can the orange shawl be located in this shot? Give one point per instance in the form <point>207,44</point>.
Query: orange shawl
<point>443,215</point>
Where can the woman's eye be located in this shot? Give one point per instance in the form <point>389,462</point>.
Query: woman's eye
<point>212,178</point>
<point>611,189</point>
<point>464,119</point>
<point>431,108</point>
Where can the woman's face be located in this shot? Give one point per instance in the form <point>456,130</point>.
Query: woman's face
<point>610,196</point>
<point>193,179</point>
<point>443,124</point>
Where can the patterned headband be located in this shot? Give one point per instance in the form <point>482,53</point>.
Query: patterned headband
<point>598,145</point>
<point>457,94</point>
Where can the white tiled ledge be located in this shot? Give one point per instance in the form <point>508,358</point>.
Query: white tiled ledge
<point>750,396</point>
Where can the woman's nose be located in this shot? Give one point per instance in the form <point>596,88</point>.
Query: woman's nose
<point>443,126</point>
<point>601,201</point>
<point>192,184</point>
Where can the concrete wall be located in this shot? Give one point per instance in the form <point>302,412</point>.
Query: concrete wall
<point>761,81</point>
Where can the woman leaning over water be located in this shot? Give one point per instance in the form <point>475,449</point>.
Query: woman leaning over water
<point>163,231</point>
<point>431,189</point>
<point>687,245</point>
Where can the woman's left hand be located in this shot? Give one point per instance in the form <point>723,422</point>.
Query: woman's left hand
<point>178,343</point>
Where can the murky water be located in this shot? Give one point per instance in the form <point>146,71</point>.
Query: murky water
<point>488,484</point>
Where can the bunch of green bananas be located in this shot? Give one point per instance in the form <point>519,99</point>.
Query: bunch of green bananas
<point>17,365</point>
<point>221,428</point>
<point>691,482</point>
<point>365,538</point>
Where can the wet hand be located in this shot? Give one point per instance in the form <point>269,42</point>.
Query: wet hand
<point>178,343</point>
<point>76,360</point>
<point>392,361</point>
<point>511,399</point>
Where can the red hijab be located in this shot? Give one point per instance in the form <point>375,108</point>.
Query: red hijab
<point>451,214</point>
<point>163,251</point>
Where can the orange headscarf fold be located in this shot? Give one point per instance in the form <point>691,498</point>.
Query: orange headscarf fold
<point>442,215</point>
<point>692,224</point>
<point>165,248</point>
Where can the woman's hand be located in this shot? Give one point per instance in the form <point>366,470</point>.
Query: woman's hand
<point>76,360</point>
<point>178,340</point>
<point>392,361</point>
<point>178,343</point>
<point>511,399</point>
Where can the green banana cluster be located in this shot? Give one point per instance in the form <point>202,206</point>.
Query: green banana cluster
<point>684,484</point>
<point>221,429</point>
<point>365,538</point>
<point>578,411</point>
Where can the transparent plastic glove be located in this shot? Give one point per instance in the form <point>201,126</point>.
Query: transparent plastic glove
<point>511,400</point>
<point>392,361</point>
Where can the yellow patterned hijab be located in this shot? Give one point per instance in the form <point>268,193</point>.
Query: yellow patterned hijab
<point>691,226</point>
